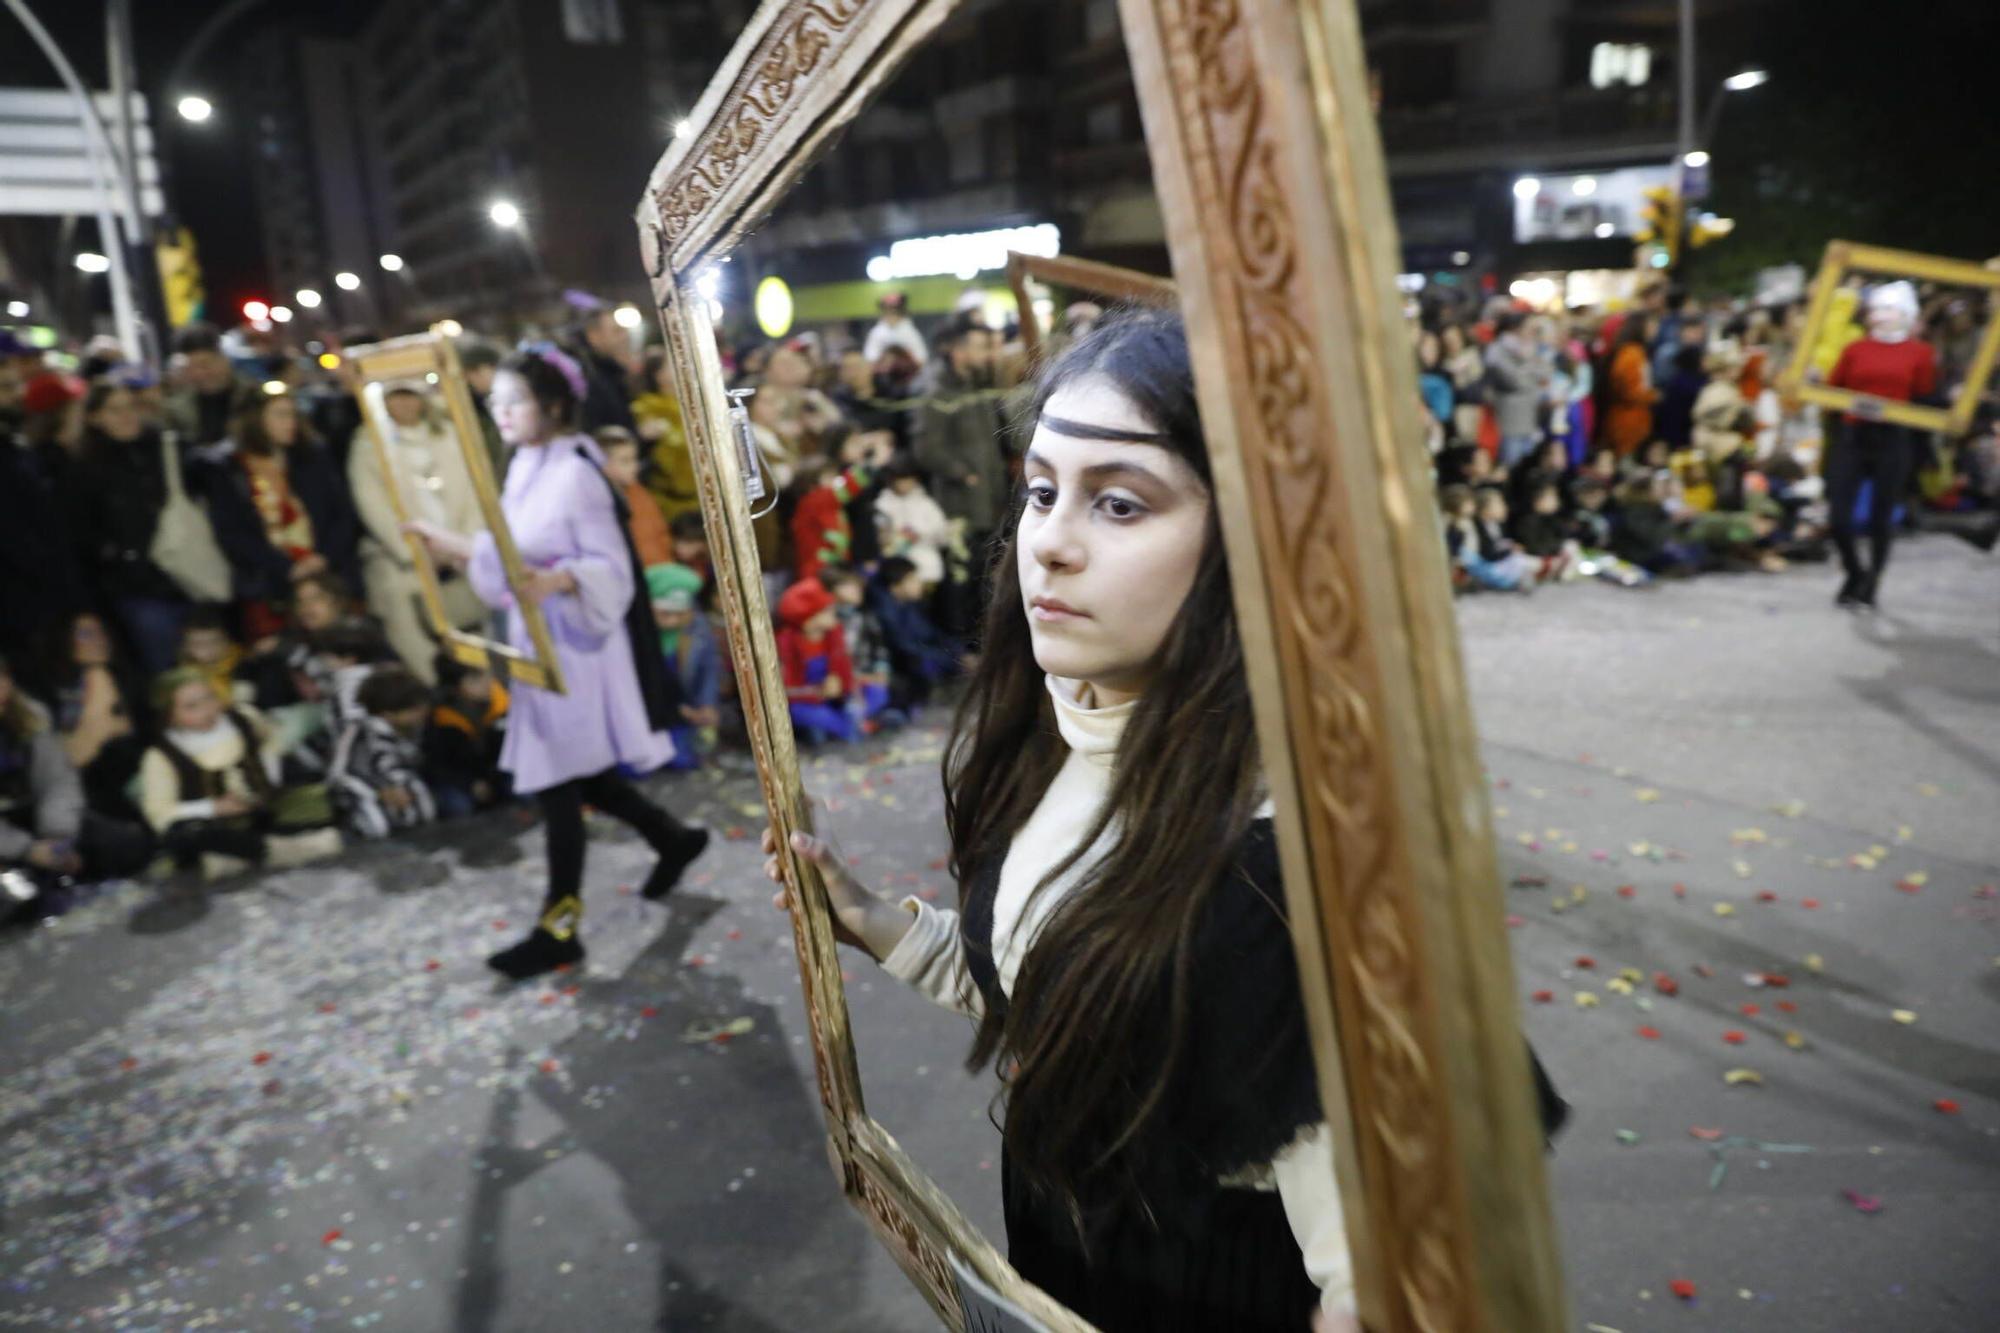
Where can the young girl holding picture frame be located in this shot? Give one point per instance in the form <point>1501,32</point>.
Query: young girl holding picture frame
<point>568,749</point>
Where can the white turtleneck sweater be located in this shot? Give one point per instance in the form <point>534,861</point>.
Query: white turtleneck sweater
<point>931,957</point>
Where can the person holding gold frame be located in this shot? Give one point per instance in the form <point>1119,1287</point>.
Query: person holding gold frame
<point>568,749</point>
<point>1122,942</point>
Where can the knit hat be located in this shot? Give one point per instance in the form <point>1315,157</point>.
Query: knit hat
<point>672,587</point>
<point>802,601</point>
<point>1723,356</point>
<point>50,391</point>
<point>1895,295</point>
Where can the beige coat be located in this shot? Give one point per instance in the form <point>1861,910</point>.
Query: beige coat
<point>436,487</point>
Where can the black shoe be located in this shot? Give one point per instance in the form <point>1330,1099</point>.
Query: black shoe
<point>1985,537</point>
<point>1850,590</point>
<point>539,953</point>
<point>1864,592</point>
<point>687,848</point>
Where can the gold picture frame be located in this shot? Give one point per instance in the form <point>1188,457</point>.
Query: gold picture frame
<point>432,359</point>
<point>1083,275</point>
<point>1846,259</point>
<point>1272,182</point>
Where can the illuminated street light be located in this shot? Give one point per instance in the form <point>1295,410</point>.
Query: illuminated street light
<point>1746,80</point>
<point>1527,187</point>
<point>1605,231</point>
<point>17,310</point>
<point>1698,158</point>
<point>504,213</point>
<point>308,298</point>
<point>683,129</point>
<point>628,316</point>
<point>195,109</point>
<point>281,313</point>
<point>275,388</point>
<point>256,310</point>
<point>347,282</point>
<point>1583,186</point>
<point>93,263</point>
<point>391,263</point>
<point>448,328</point>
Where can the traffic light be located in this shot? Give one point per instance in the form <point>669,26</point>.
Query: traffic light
<point>1708,227</point>
<point>180,276</point>
<point>1659,228</point>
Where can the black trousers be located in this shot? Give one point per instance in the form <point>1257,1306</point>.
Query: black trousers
<point>242,837</point>
<point>1878,453</point>
<point>562,811</point>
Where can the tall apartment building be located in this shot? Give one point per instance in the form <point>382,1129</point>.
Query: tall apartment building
<point>401,140</point>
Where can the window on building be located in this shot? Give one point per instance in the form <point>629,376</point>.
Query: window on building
<point>1100,21</point>
<point>966,145</point>
<point>1104,123</point>
<point>1413,75</point>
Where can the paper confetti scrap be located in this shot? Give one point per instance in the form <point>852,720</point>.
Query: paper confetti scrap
<point>1682,1288</point>
<point>1865,1203</point>
<point>1586,999</point>
<point>1628,1137</point>
<point>699,1032</point>
<point>1737,1077</point>
<point>1904,1016</point>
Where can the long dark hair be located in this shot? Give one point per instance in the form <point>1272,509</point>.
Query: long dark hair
<point>560,400</point>
<point>248,428</point>
<point>1116,954</point>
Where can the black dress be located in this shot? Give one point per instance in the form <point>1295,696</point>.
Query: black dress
<point>1183,1253</point>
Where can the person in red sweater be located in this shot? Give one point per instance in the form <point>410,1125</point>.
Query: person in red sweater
<point>821,533</point>
<point>1887,363</point>
<point>819,676</point>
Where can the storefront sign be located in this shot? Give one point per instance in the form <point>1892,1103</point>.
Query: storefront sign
<point>964,254</point>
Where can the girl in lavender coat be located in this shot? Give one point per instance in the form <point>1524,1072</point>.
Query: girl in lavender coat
<point>566,749</point>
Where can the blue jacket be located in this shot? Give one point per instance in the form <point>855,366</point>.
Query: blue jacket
<point>916,646</point>
<point>698,663</point>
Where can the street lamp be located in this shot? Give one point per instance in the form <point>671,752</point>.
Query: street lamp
<point>282,314</point>
<point>194,109</point>
<point>504,214</point>
<point>683,129</point>
<point>308,298</point>
<point>1744,81</point>
<point>347,282</point>
<point>1527,187</point>
<point>628,317</point>
<point>1698,158</point>
<point>17,310</point>
<point>90,262</point>
<point>391,263</point>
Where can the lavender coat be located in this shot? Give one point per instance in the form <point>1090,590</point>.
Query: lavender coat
<point>561,515</point>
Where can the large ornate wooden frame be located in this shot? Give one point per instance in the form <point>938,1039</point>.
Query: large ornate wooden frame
<point>1272,182</point>
<point>1844,259</point>
<point>1083,275</point>
<point>431,356</point>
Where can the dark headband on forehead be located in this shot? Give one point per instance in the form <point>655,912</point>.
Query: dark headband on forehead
<point>1082,430</point>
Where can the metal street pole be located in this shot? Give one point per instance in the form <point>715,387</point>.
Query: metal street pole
<point>1687,77</point>
<point>97,144</point>
<point>124,87</point>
